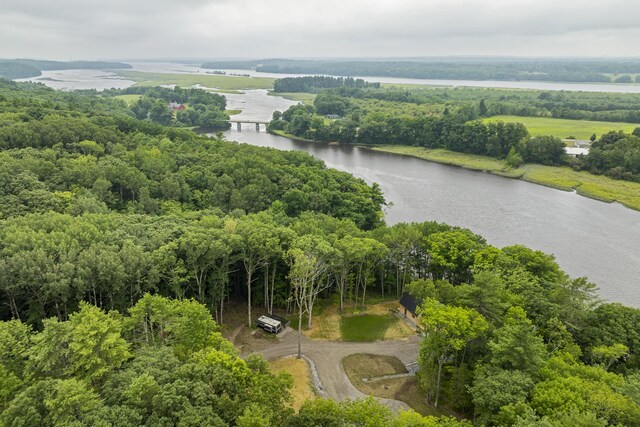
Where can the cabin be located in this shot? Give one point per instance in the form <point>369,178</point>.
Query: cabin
<point>410,306</point>
<point>174,106</point>
<point>269,324</point>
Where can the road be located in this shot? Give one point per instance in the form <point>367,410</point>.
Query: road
<point>327,357</point>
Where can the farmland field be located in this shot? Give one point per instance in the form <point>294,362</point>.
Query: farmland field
<point>563,128</point>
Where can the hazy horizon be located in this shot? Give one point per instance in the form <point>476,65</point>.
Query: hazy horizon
<point>249,29</point>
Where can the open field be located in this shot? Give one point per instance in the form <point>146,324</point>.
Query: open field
<point>188,80</point>
<point>563,128</point>
<point>330,325</point>
<point>454,158</point>
<point>128,99</point>
<point>584,183</point>
<point>406,389</point>
<point>288,135</point>
<point>305,98</point>
<point>302,383</point>
<point>366,327</point>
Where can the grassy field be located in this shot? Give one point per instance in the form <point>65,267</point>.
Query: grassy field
<point>453,158</point>
<point>233,112</point>
<point>594,186</point>
<point>288,135</point>
<point>305,98</point>
<point>359,367</point>
<point>207,80</point>
<point>328,323</point>
<point>563,128</point>
<point>302,389</point>
<point>128,99</point>
<point>366,327</point>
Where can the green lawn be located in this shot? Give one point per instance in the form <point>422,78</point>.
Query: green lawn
<point>366,327</point>
<point>564,178</point>
<point>208,80</point>
<point>129,99</point>
<point>563,128</point>
<point>305,98</point>
<point>467,161</point>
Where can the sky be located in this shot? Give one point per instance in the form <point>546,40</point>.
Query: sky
<point>164,29</point>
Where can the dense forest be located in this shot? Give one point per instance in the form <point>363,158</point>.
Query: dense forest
<point>452,119</point>
<point>23,68</point>
<point>454,69</point>
<point>608,107</point>
<point>314,84</point>
<point>452,131</point>
<point>122,241</point>
<point>201,108</point>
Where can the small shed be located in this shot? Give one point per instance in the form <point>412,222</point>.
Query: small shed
<point>409,303</point>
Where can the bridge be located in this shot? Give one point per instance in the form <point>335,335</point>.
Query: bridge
<point>256,122</point>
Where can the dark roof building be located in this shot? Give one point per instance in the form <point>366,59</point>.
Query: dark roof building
<point>409,303</point>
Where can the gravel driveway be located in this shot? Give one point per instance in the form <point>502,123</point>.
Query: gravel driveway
<point>328,355</point>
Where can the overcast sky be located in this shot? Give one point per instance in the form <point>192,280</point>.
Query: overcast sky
<point>128,29</point>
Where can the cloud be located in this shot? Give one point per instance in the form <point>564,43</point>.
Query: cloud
<point>88,29</point>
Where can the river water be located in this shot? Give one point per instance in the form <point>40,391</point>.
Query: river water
<point>587,237</point>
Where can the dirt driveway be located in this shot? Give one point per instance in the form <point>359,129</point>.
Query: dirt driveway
<point>327,357</point>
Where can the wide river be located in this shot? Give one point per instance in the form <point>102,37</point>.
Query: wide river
<point>587,237</point>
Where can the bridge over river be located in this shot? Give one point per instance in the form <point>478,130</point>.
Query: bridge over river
<point>255,122</point>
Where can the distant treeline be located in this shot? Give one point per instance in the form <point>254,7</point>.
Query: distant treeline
<point>561,71</point>
<point>314,84</point>
<point>615,154</point>
<point>24,68</point>
<point>608,107</point>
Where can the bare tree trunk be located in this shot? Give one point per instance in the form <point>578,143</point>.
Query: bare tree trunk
<point>440,363</point>
<point>300,332</point>
<point>273,285</point>
<point>249,296</point>
<point>266,286</point>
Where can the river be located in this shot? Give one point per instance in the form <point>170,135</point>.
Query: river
<point>587,237</point>
<point>100,80</point>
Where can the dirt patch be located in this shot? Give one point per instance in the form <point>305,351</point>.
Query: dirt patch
<point>326,325</point>
<point>302,389</point>
<point>358,366</point>
<point>251,340</point>
<point>405,389</point>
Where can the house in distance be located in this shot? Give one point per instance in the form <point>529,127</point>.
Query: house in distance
<point>174,106</point>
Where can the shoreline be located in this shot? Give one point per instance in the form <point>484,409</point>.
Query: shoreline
<point>585,184</point>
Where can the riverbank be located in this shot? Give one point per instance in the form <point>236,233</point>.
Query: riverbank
<point>597,187</point>
<point>290,136</point>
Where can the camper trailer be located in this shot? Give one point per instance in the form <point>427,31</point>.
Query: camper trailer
<point>269,324</point>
